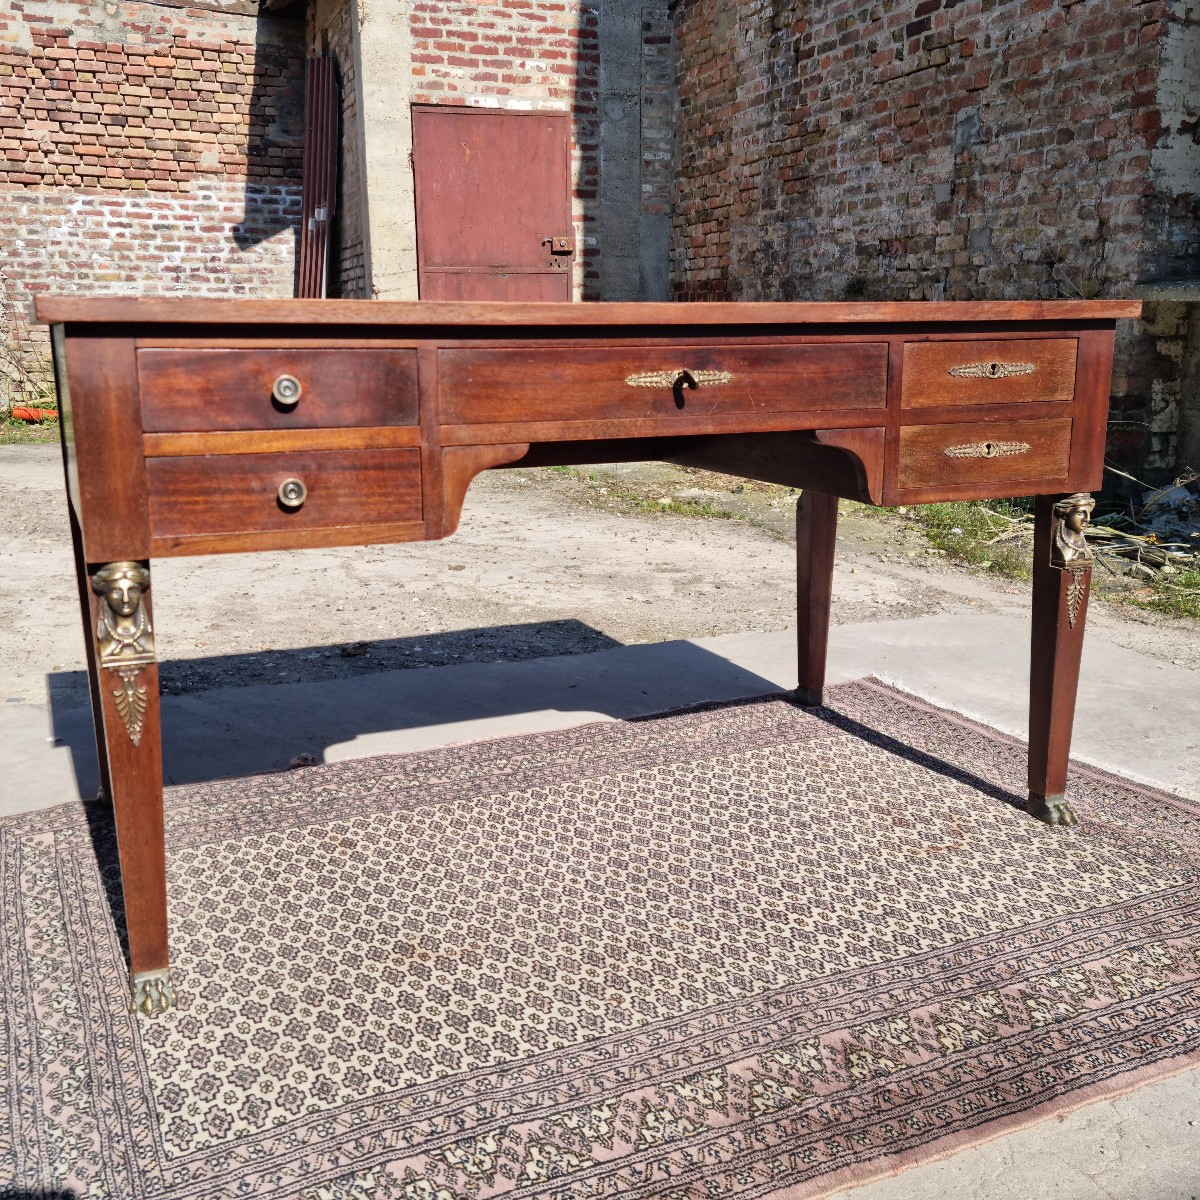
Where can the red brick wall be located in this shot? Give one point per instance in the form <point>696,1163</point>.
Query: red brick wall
<point>152,149</point>
<point>930,149</point>
<point>541,51</point>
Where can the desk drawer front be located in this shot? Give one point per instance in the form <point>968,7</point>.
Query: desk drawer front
<point>639,382</point>
<point>984,452</point>
<point>988,372</point>
<point>196,390</point>
<point>238,493</point>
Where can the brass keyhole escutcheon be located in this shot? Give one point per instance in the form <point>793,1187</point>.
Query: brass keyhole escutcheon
<point>292,493</point>
<point>286,391</point>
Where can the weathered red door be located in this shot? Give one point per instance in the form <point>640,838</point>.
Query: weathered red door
<point>493,204</point>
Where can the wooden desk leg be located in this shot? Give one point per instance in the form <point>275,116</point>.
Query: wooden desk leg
<point>816,535</point>
<point>126,682</point>
<point>1062,573</point>
<point>84,584</point>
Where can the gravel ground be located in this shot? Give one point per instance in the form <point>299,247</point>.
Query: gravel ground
<point>545,562</point>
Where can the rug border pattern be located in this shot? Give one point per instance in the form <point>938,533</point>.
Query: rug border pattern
<point>120,1070</point>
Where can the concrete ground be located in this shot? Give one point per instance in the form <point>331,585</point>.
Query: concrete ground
<point>267,657</point>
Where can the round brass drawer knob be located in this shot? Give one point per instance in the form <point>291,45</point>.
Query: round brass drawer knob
<point>292,493</point>
<point>287,390</point>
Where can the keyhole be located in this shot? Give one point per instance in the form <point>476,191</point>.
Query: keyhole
<point>993,370</point>
<point>989,450</point>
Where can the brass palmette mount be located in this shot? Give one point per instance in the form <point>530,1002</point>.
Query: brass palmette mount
<point>124,637</point>
<point>1076,590</point>
<point>992,370</point>
<point>1073,514</point>
<point>987,450</point>
<point>151,992</point>
<point>678,375</point>
<point>131,702</point>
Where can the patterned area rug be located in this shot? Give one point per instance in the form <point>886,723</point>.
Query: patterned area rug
<point>746,951</point>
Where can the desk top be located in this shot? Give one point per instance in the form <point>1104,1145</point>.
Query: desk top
<point>177,310</point>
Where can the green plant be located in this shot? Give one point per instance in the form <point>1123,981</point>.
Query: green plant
<point>684,508</point>
<point>1177,595</point>
<point>639,501</point>
<point>991,535</point>
<point>21,433</point>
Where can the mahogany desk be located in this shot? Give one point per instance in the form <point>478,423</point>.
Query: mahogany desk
<point>205,426</point>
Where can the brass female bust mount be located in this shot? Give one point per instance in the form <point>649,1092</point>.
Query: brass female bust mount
<point>1074,515</point>
<point>123,632</point>
<point>124,636</point>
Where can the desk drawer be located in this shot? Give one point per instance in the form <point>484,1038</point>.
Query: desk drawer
<point>195,390</point>
<point>635,383</point>
<point>984,452</point>
<point>240,493</point>
<point>988,372</point>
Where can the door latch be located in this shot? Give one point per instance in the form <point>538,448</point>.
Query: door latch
<point>560,245</point>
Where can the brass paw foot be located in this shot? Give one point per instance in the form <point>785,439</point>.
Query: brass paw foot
<point>151,992</point>
<point>1054,810</point>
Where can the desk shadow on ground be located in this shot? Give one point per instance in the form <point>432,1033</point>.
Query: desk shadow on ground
<point>893,745</point>
<point>251,713</point>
